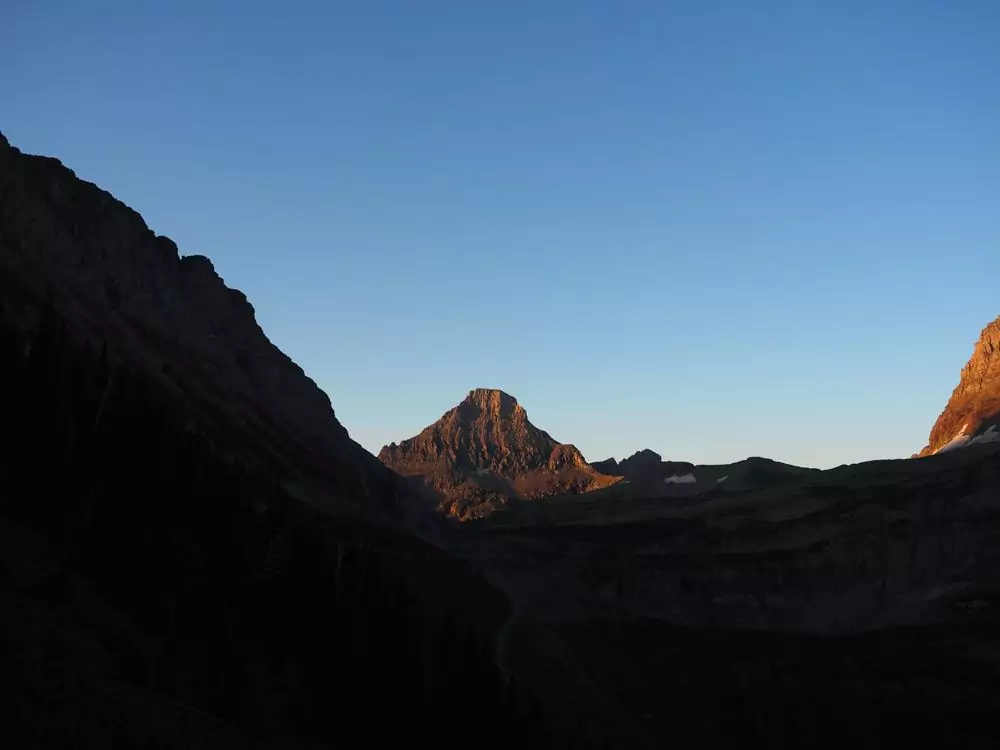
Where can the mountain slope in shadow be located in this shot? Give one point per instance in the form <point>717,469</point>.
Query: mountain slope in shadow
<point>68,243</point>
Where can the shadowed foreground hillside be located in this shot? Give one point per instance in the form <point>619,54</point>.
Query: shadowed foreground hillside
<point>194,554</point>
<point>159,591</point>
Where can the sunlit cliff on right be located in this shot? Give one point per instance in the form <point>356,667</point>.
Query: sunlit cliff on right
<point>973,411</point>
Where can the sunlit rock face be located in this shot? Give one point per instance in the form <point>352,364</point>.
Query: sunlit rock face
<point>973,411</point>
<point>484,453</point>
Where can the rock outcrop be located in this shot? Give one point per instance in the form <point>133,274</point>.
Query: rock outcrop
<point>67,243</point>
<point>643,465</point>
<point>973,411</point>
<point>485,452</point>
<point>608,466</point>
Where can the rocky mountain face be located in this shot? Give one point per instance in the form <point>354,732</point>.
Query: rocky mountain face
<point>484,453</point>
<point>973,411</point>
<point>66,243</point>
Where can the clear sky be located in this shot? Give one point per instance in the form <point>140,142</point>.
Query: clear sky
<point>714,229</point>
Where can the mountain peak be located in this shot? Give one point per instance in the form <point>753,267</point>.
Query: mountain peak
<point>491,401</point>
<point>485,451</point>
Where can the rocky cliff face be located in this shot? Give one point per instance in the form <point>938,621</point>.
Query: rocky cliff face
<point>485,452</point>
<point>973,411</point>
<point>70,244</point>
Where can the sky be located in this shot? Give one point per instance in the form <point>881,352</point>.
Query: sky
<point>715,229</point>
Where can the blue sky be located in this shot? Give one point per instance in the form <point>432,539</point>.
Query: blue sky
<point>714,229</point>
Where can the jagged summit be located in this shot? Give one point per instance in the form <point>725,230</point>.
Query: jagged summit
<point>973,411</point>
<point>489,429</point>
<point>485,451</point>
<point>491,402</point>
<point>490,398</point>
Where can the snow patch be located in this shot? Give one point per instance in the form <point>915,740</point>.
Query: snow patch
<point>681,479</point>
<point>990,436</point>
<point>961,440</point>
<point>720,480</point>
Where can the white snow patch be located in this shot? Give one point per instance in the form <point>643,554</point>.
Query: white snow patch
<point>961,440</point>
<point>681,479</point>
<point>720,480</point>
<point>990,436</point>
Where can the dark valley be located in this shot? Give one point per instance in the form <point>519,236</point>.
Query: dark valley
<point>195,554</point>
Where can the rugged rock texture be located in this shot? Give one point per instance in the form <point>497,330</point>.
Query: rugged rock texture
<point>67,243</point>
<point>974,405</point>
<point>485,452</point>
